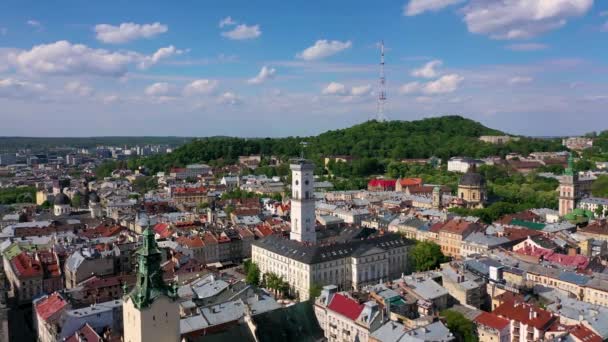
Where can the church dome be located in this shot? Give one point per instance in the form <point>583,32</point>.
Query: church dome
<point>62,199</point>
<point>472,179</point>
<point>93,197</point>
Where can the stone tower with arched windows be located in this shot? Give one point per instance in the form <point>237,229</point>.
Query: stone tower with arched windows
<point>302,201</point>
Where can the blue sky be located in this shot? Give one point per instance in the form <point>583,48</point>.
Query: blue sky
<point>277,68</point>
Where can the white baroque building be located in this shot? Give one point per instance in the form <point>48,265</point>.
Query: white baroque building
<point>352,258</point>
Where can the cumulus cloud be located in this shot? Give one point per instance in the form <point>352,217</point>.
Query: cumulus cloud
<point>12,88</point>
<point>161,53</point>
<point>65,58</point>
<point>520,19</point>
<point>265,74</point>
<point>428,70</point>
<point>242,32</point>
<point>334,88</point>
<point>228,21</point>
<point>229,98</point>
<point>339,89</point>
<point>415,7</point>
<point>159,89</point>
<point>520,80</point>
<point>200,87</point>
<point>443,85</point>
<point>323,48</point>
<point>78,88</point>
<point>361,90</point>
<point>127,32</point>
<point>527,47</point>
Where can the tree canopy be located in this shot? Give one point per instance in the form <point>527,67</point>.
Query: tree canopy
<point>426,255</point>
<point>462,328</point>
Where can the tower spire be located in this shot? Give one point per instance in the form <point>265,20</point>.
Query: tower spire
<point>380,116</point>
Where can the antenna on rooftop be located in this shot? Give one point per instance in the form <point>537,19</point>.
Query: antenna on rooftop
<point>381,87</point>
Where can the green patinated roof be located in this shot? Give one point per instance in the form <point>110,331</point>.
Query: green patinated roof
<point>150,284</point>
<point>16,249</point>
<point>528,224</point>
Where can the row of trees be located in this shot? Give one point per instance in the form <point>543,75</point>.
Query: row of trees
<point>20,194</point>
<point>270,280</point>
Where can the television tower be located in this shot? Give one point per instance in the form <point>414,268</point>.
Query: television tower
<point>381,87</point>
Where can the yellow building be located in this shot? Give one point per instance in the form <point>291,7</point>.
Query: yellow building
<point>150,312</point>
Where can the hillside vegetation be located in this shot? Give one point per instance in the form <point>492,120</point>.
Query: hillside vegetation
<point>442,137</point>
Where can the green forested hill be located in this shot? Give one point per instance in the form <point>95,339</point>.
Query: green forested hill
<point>443,137</point>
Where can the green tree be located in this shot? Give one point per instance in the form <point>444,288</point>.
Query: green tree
<point>462,328</point>
<point>20,194</point>
<point>599,211</point>
<point>253,274</point>
<point>76,201</point>
<point>599,188</point>
<point>315,290</point>
<point>426,255</point>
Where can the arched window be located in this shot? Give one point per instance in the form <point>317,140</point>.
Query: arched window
<point>462,195</point>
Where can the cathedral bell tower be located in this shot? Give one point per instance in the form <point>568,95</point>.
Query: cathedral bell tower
<point>303,220</point>
<point>150,312</point>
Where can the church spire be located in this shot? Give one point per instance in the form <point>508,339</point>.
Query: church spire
<point>569,171</point>
<point>150,283</point>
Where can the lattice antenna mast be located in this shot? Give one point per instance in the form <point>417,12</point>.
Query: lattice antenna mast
<point>381,87</point>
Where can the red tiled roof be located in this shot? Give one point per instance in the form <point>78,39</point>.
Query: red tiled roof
<point>492,321</point>
<point>50,305</point>
<point>86,333</point>
<point>263,231</point>
<point>525,313</point>
<point>191,241</point>
<point>345,306</point>
<point>459,226</point>
<point>209,238</point>
<point>383,183</point>
<point>582,333</point>
<point>436,227</point>
<point>410,181</point>
<point>26,266</point>
<point>579,261</point>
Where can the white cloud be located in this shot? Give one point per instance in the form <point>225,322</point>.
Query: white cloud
<point>108,99</point>
<point>229,98</point>
<point>520,80</point>
<point>78,88</point>
<point>65,58</point>
<point>410,88</point>
<point>428,70</point>
<point>361,90</point>
<point>444,85</point>
<point>127,32</point>
<point>527,47</point>
<point>265,74</point>
<point>323,48</point>
<point>334,88</point>
<point>520,19</point>
<point>415,7</point>
<point>159,89</point>
<point>242,32</point>
<point>228,21</point>
<point>200,87</point>
<point>12,88</point>
<point>161,53</point>
<point>34,23</point>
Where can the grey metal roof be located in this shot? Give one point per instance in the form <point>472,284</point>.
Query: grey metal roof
<point>313,254</point>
